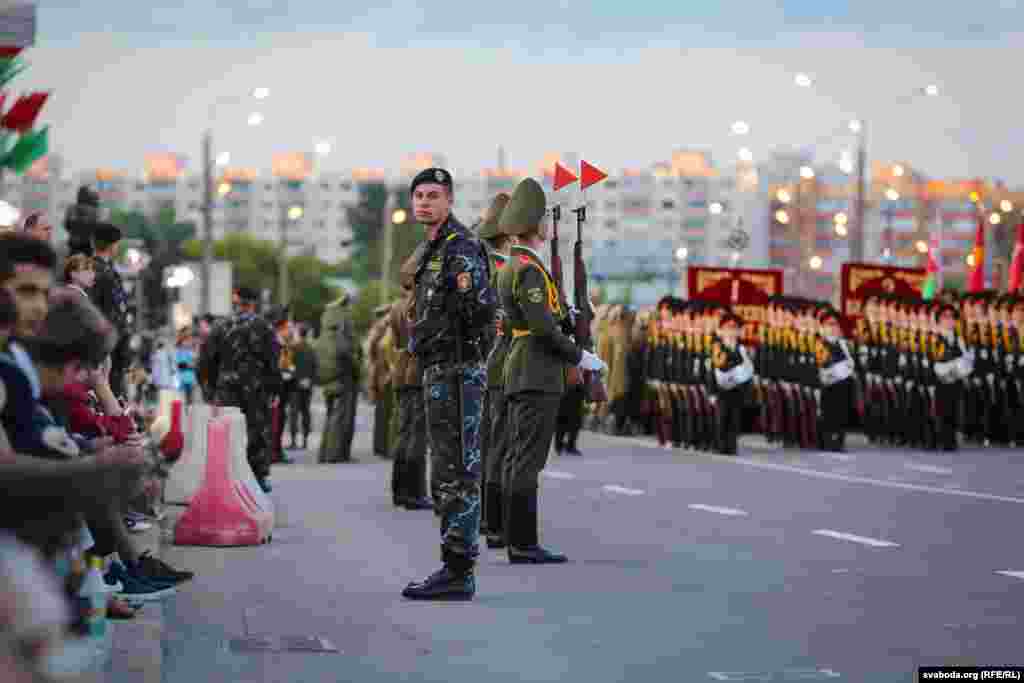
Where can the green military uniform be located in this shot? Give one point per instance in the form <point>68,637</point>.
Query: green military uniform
<point>380,379</point>
<point>339,370</point>
<point>534,373</point>
<point>494,427</point>
<point>409,454</point>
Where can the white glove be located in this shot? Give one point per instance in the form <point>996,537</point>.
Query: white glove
<point>591,362</point>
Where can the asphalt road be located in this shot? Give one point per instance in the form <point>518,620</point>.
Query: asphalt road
<point>772,566</point>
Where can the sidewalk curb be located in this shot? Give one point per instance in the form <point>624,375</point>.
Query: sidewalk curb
<point>137,650</point>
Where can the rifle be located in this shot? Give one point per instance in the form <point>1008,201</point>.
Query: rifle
<point>558,273</point>
<point>594,388</point>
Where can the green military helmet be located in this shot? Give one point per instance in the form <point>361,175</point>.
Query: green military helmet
<point>525,210</point>
<point>488,229</point>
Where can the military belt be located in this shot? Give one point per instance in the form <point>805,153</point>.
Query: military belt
<point>518,333</point>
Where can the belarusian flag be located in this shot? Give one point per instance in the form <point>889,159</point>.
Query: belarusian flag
<point>934,273</point>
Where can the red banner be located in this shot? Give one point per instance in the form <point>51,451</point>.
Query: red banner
<point>861,280</point>
<point>745,290</point>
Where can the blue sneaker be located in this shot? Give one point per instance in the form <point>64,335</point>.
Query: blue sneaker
<point>136,589</point>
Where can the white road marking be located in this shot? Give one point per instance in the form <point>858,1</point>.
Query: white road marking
<point>729,512</point>
<point>928,469</point>
<point>612,488</point>
<point>921,488</point>
<point>555,474</point>
<point>790,675</point>
<point>841,457</point>
<point>863,540</point>
<point>1012,574</point>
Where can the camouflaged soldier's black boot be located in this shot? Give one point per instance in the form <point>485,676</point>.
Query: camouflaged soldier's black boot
<point>495,517</point>
<point>454,581</point>
<point>416,486</point>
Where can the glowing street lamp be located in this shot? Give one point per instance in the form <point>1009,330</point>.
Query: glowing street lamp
<point>716,208</point>
<point>745,154</point>
<point>995,219</point>
<point>898,171</point>
<point>841,218</point>
<point>740,128</point>
<point>892,195</point>
<point>295,213</point>
<point>855,126</point>
<point>816,263</point>
<point>223,189</point>
<point>806,172</point>
<point>783,196</point>
<point>1006,206</point>
<point>970,260</point>
<point>922,246</point>
<point>255,118</point>
<point>398,216</point>
<point>931,90</point>
<point>9,215</point>
<point>782,217</point>
<point>323,148</point>
<point>261,93</point>
<point>841,230</point>
<point>682,253</point>
<point>803,80</point>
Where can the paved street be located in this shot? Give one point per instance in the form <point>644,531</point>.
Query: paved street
<point>771,566</point>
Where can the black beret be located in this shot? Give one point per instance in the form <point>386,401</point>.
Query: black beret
<point>438,176</point>
<point>248,295</point>
<point>106,232</point>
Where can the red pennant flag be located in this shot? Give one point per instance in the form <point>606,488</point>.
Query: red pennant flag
<point>23,114</point>
<point>590,175</point>
<point>563,177</point>
<point>9,52</point>
<point>1017,266</point>
<point>976,280</point>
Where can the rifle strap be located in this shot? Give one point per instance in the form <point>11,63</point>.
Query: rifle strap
<point>554,301</point>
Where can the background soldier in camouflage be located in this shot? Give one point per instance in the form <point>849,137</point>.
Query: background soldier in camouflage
<point>409,455</point>
<point>243,363</point>
<point>379,380</point>
<point>339,366</point>
<point>455,309</point>
<point>109,296</point>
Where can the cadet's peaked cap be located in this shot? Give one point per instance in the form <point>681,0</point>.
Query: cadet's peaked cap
<point>437,176</point>
<point>247,295</point>
<point>489,226</point>
<point>731,319</point>
<point>947,308</point>
<point>525,210</point>
<point>106,232</point>
<point>828,316</point>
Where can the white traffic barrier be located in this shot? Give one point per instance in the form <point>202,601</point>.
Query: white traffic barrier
<point>241,471</point>
<point>186,475</point>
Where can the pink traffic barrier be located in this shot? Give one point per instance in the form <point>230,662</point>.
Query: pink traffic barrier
<point>218,514</point>
<point>240,468</point>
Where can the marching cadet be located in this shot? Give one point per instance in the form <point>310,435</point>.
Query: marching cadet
<point>952,365</point>
<point>454,323</point>
<point>1015,371</point>
<point>409,454</point>
<point>733,372</point>
<point>494,424</point>
<point>535,369</point>
<point>836,371</point>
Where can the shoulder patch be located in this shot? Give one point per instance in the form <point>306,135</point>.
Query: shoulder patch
<point>535,295</point>
<point>524,259</point>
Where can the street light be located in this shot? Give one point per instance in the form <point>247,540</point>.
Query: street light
<point>223,159</point>
<point>855,126</point>
<point>922,246</point>
<point>745,154</point>
<point>816,263</point>
<point>1006,206</point>
<point>931,90</point>
<point>806,172</point>
<point>803,80</point>
<point>224,189</point>
<point>682,253</point>
<point>842,230</point>
<point>255,118</point>
<point>783,196</point>
<point>9,215</point>
<point>782,217</point>
<point>260,93</point>
<point>995,219</point>
<point>897,171</point>
<point>970,260</point>
<point>398,216</point>
<point>294,213</point>
<point>892,195</point>
<point>841,218</point>
<point>716,208</point>
<point>323,148</point>
<point>740,128</point>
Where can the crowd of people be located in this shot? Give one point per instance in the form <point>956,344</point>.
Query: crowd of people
<point>79,470</point>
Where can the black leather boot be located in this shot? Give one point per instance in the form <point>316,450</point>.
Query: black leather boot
<point>416,486</point>
<point>399,487</point>
<point>495,512</point>
<point>453,581</point>
<point>523,546</point>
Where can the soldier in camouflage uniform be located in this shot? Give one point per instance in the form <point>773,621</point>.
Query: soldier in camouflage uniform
<point>535,369</point>
<point>379,380</point>
<point>241,360</point>
<point>455,309</point>
<point>409,455</point>
<point>494,426</point>
<point>110,297</point>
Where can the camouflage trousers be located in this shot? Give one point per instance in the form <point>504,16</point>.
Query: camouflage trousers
<point>453,395</point>
<point>258,424</point>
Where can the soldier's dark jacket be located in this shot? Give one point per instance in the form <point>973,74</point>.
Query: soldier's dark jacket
<point>454,298</point>
<point>241,355</point>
